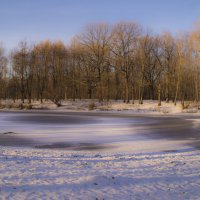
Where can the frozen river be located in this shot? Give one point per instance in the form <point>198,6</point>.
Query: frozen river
<point>98,131</point>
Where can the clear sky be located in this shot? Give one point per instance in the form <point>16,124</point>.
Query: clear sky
<point>36,20</point>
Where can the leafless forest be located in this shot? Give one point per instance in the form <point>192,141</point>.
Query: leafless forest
<point>104,62</point>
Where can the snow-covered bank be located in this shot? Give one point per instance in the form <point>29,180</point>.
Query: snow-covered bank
<point>55,174</point>
<point>148,106</point>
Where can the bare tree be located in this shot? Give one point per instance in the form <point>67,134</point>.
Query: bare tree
<point>21,64</point>
<point>169,61</point>
<point>3,73</point>
<point>96,39</point>
<point>124,45</point>
<point>194,44</point>
<point>57,65</point>
<point>42,55</point>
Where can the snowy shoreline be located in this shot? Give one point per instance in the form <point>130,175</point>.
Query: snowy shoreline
<point>148,106</point>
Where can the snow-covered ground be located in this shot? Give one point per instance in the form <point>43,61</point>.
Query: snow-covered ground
<point>56,174</point>
<point>148,106</point>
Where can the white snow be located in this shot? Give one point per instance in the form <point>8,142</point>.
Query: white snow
<point>56,174</point>
<point>148,106</point>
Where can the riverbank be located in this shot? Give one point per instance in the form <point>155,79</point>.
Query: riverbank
<point>148,106</point>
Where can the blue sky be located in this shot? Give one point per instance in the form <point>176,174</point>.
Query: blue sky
<point>36,20</point>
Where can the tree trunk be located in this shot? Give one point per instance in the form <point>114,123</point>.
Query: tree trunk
<point>127,91</point>
<point>132,94</point>
<point>159,95</point>
<point>176,94</point>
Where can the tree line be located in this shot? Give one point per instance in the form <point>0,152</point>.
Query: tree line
<point>105,62</point>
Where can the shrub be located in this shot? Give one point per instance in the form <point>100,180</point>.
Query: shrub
<point>9,106</point>
<point>91,106</point>
<point>2,106</point>
<point>20,106</point>
<point>28,107</point>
